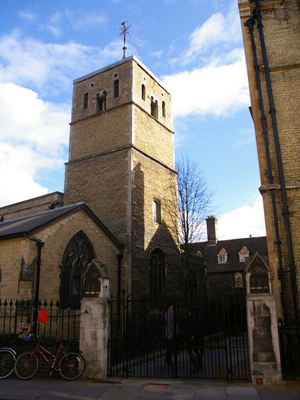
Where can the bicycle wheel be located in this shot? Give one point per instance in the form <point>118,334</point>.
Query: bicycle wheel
<point>7,362</point>
<point>71,366</point>
<point>26,366</point>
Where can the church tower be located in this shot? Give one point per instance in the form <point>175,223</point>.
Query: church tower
<point>121,164</point>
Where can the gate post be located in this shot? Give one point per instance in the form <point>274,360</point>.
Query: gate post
<point>94,320</point>
<point>262,325</point>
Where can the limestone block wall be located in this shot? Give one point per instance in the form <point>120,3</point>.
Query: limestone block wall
<point>281,28</point>
<point>98,82</point>
<point>32,206</point>
<point>12,252</point>
<point>102,183</point>
<point>153,138</point>
<point>154,90</point>
<point>148,234</point>
<point>56,237</point>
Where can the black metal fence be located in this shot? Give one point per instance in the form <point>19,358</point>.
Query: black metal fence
<point>137,345</point>
<point>52,323</point>
<point>289,335</point>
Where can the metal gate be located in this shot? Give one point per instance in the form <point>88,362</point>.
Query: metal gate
<point>137,345</point>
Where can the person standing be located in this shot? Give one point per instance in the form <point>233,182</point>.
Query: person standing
<point>170,333</point>
<point>195,341</point>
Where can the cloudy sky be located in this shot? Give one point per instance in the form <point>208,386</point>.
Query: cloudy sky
<point>194,47</point>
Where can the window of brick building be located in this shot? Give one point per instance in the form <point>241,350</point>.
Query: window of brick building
<point>85,100</point>
<point>143,92</point>
<point>156,211</point>
<point>222,256</point>
<point>154,108</point>
<point>164,109</point>
<point>157,274</point>
<point>116,88</point>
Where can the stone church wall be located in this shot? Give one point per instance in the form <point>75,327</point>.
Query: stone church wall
<point>150,235</point>
<point>32,206</point>
<point>56,237</point>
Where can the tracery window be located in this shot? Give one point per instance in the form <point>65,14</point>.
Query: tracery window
<point>78,254</point>
<point>157,274</point>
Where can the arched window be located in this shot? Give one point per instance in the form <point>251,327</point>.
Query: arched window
<point>154,108</point>
<point>116,88</point>
<point>85,100</point>
<point>143,92</point>
<point>157,274</point>
<point>78,254</point>
<point>164,109</point>
<point>101,102</point>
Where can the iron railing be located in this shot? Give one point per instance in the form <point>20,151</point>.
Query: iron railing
<point>53,323</point>
<point>137,344</point>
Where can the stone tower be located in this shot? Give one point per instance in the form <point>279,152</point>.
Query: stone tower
<point>271,34</point>
<point>121,164</point>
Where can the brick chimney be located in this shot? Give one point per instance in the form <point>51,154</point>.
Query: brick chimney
<point>212,233</point>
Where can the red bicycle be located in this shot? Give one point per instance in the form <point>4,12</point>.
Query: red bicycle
<point>70,365</point>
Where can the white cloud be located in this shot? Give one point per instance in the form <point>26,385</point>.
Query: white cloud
<point>54,25</point>
<point>17,168</point>
<point>214,89</point>
<point>217,30</point>
<point>49,68</point>
<point>34,138</point>
<point>243,221</point>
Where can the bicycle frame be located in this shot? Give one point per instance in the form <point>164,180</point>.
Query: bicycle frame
<point>44,353</point>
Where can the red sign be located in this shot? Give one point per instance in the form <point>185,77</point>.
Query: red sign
<point>43,316</point>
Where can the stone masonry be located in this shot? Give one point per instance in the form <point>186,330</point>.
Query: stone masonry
<point>121,160</point>
<point>278,140</point>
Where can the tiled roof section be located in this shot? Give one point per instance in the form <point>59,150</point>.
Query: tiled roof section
<point>233,247</point>
<point>31,224</point>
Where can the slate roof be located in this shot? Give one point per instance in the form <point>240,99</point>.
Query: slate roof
<point>232,247</point>
<point>31,224</point>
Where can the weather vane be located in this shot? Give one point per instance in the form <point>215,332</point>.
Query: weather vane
<point>124,32</point>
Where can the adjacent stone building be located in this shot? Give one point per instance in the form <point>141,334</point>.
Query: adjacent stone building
<point>225,261</point>
<point>271,34</point>
<point>119,204</point>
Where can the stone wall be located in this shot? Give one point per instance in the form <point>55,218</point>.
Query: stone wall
<point>32,206</point>
<point>56,237</point>
<point>281,28</point>
<point>122,159</point>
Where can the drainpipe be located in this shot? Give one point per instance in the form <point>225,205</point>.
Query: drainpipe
<point>249,24</point>
<point>279,163</point>
<point>39,244</point>
<point>119,257</point>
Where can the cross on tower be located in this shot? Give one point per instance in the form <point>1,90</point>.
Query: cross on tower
<point>124,32</point>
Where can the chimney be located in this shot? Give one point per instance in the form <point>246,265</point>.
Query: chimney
<point>211,225</point>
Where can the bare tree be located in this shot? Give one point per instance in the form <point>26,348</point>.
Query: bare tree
<point>194,202</point>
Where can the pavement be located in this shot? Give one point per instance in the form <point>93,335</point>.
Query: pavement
<point>54,388</point>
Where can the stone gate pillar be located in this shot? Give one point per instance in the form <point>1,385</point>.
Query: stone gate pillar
<point>262,325</point>
<point>94,320</point>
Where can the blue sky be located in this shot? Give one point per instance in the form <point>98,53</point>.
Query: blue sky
<point>194,47</point>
